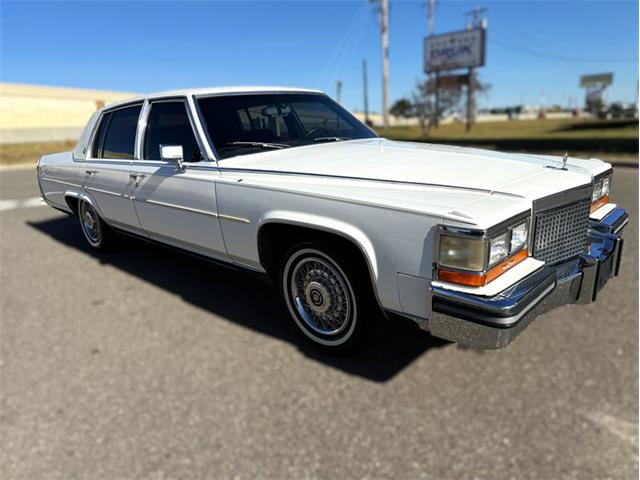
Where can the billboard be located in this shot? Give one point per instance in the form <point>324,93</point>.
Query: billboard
<point>449,51</point>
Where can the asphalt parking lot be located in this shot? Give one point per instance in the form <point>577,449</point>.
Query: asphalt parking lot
<point>147,363</point>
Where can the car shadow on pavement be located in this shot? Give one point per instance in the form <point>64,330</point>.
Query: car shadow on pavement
<point>248,301</point>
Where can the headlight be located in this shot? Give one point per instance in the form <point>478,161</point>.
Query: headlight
<point>498,248</point>
<point>519,235</point>
<point>597,191</point>
<point>600,195</point>
<point>462,252</point>
<point>475,261</point>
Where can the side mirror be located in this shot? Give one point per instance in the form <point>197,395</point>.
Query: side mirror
<point>172,153</point>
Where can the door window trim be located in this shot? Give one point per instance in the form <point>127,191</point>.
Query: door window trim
<point>142,132</point>
<point>96,127</point>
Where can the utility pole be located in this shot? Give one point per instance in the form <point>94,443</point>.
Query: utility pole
<point>338,91</point>
<point>366,91</point>
<point>384,37</point>
<point>541,110</point>
<point>431,10</point>
<point>471,99</point>
<point>384,33</point>
<point>475,20</point>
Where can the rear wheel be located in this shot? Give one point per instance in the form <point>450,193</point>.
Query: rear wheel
<point>95,231</point>
<point>327,295</point>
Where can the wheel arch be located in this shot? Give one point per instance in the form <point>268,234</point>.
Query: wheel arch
<point>300,226</point>
<point>72,198</point>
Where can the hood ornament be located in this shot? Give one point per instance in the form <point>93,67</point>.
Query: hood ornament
<point>565,159</point>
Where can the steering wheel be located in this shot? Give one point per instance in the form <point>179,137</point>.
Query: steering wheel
<point>317,130</point>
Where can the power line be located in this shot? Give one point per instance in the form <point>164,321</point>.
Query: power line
<point>560,57</point>
<point>345,45</point>
<point>569,66</point>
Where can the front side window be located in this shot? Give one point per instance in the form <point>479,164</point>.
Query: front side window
<point>242,124</point>
<point>118,138</point>
<point>168,124</point>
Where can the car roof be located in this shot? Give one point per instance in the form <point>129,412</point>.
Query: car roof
<point>214,91</point>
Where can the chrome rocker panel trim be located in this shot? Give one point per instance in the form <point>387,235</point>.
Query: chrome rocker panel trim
<point>492,323</point>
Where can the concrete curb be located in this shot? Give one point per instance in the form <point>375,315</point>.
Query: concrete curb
<point>623,164</point>
<point>18,166</point>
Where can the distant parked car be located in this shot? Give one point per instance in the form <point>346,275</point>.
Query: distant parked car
<point>470,244</point>
<point>621,110</point>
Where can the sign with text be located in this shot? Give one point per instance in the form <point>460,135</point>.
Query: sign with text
<point>449,51</point>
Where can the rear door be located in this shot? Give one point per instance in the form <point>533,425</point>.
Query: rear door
<point>108,164</point>
<point>176,206</point>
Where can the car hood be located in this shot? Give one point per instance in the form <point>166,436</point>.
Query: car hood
<point>378,159</point>
<point>457,185</point>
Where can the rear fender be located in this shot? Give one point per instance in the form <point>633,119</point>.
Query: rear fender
<point>84,197</point>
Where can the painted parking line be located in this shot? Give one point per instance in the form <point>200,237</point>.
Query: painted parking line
<point>21,203</point>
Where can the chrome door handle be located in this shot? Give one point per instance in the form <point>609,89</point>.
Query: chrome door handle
<point>136,177</point>
<point>90,172</point>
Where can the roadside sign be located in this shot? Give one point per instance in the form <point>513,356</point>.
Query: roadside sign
<point>600,79</point>
<point>448,82</point>
<point>449,51</point>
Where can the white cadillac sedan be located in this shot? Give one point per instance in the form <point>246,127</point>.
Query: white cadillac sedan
<point>470,244</point>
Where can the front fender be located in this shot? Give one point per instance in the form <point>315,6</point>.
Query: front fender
<point>327,224</point>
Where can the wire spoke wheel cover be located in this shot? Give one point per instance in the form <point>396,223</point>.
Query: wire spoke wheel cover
<point>90,223</point>
<point>320,297</point>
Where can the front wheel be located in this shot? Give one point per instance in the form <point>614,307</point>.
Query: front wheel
<point>327,295</point>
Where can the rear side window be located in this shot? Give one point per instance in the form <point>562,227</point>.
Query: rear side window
<point>169,124</point>
<point>98,142</point>
<point>119,135</point>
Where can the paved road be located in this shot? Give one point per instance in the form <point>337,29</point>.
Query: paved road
<point>150,364</point>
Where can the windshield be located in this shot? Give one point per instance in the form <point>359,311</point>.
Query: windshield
<point>242,124</point>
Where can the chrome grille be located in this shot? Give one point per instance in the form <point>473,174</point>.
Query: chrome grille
<point>562,232</point>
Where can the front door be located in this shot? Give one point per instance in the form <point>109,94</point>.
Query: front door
<point>176,206</point>
<point>108,166</point>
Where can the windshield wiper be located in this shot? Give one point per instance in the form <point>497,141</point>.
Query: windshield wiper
<point>331,139</point>
<point>258,144</point>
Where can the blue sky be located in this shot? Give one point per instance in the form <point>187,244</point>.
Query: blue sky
<point>537,50</point>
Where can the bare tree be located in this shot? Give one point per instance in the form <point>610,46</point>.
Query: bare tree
<point>451,96</point>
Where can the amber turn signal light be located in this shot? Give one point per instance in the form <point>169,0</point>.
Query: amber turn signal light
<point>599,203</point>
<point>481,279</point>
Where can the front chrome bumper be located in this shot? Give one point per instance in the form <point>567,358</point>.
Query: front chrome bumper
<point>493,322</point>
